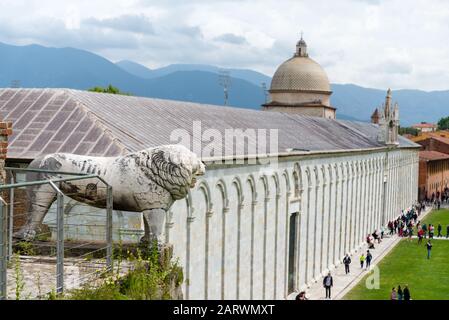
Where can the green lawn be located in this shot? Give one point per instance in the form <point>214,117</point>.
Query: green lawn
<point>407,264</point>
<point>437,216</point>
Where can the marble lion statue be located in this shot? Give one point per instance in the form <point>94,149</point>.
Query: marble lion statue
<point>147,181</point>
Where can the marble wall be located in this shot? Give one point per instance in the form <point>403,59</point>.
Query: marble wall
<point>263,231</point>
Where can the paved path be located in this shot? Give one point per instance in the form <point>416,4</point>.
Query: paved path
<point>343,283</point>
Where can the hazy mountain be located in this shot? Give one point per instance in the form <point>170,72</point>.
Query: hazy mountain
<point>139,70</point>
<point>38,66</point>
<point>203,87</point>
<point>414,105</point>
<point>136,69</point>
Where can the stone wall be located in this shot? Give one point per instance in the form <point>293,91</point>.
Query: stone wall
<point>234,237</point>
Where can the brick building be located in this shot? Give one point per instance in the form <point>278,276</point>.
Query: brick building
<point>433,173</point>
<point>425,127</point>
<point>435,142</point>
<point>433,162</point>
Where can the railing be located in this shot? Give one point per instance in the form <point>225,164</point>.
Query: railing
<point>7,226</point>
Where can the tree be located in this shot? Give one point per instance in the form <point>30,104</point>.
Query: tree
<point>108,89</point>
<point>408,130</point>
<point>443,124</point>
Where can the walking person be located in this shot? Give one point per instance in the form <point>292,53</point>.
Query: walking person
<point>406,293</point>
<point>369,257</point>
<point>439,230</point>
<point>420,235</point>
<point>429,248</point>
<point>400,293</point>
<point>447,231</point>
<point>328,282</point>
<point>362,260</point>
<point>347,262</point>
<point>393,295</point>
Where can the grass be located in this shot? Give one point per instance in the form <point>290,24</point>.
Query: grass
<point>407,264</point>
<point>437,216</point>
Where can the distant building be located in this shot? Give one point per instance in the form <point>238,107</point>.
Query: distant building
<point>375,117</point>
<point>433,173</point>
<point>408,136</point>
<point>301,86</point>
<point>433,162</point>
<point>425,127</point>
<point>434,141</point>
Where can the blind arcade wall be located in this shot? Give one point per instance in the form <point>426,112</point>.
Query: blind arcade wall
<point>233,234</point>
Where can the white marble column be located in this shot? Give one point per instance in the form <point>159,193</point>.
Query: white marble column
<point>317,224</point>
<point>337,215</point>
<point>309,227</point>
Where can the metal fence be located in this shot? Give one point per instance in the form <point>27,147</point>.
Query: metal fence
<point>52,253</point>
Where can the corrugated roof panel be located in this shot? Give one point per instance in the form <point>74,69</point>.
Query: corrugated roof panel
<point>83,148</point>
<point>41,141</point>
<point>65,131</point>
<point>52,147</point>
<point>70,144</point>
<point>75,121</point>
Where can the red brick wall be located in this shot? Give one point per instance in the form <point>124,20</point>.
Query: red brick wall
<point>434,145</point>
<point>5,131</point>
<point>433,177</point>
<point>422,179</point>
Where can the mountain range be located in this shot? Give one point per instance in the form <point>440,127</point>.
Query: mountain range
<point>39,66</point>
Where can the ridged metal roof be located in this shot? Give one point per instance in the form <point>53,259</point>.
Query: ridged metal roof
<point>99,124</point>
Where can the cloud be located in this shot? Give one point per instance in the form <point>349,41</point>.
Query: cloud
<point>373,43</point>
<point>231,38</point>
<point>128,22</point>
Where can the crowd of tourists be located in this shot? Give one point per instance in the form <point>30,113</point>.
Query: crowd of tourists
<point>403,226</point>
<point>404,223</point>
<point>437,198</point>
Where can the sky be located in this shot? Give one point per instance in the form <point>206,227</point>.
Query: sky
<point>372,43</point>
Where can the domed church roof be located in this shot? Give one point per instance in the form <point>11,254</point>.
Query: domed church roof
<point>300,73</point>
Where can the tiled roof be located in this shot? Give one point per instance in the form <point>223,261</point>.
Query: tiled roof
<point>99,124</point>
<point>432,155</point>
<point>424,125</point>
<point>427,135</point>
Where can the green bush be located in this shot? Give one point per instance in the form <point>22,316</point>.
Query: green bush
<point>151,278</point>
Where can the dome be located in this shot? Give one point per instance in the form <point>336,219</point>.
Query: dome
<point>300,73</point>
